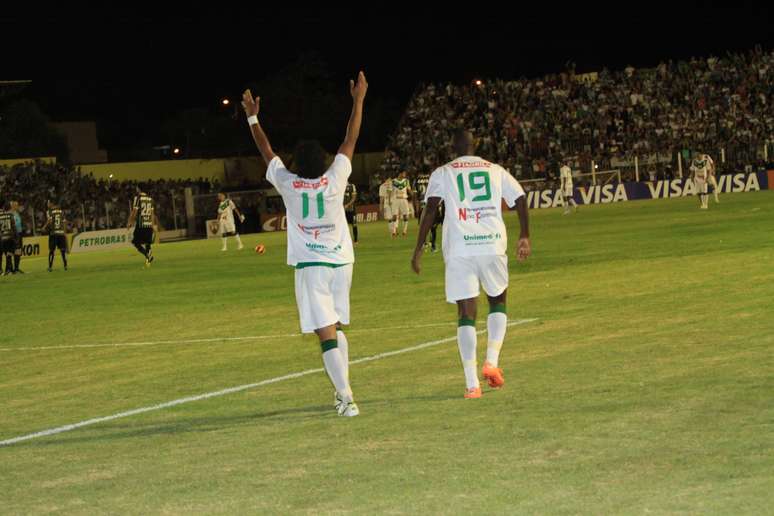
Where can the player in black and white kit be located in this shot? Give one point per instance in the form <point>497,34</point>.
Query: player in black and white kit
<point>57,238</point>
<point>350,209</point>
<point>7,235</point>
<point>144,215</point>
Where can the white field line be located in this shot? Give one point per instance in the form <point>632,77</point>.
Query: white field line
<point>230,390</point>
<point>213,339</point>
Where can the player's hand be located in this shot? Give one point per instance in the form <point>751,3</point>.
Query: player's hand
<point>249,104</point>
<point>415,261</point>
<point>358,90</point>
<point>241,218</point>
<point>523,250</point>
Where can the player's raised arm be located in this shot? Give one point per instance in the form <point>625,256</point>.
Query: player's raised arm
<point>358,92</point>
<point>252,107</point>
<point>428,217</point>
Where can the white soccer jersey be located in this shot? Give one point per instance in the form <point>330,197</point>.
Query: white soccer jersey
<point>472,190</point>
<point>317,227</point>
<point>401,188</point>
<point>701,167</point>
<point>566,176</point>
<point>386,192</point>
<point>226,212</point>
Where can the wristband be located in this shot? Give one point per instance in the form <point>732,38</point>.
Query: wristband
<point>252,120</point>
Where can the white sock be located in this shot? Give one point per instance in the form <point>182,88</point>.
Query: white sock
<point>405,226</point>
<point>466,340</point>
<point>224,242</point>
<point>334,366</point>
<point>392,226</point>
<point>495,325</point>
<point>239,240</point>
<point>344,348</point>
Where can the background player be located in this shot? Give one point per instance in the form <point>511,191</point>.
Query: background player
<point>143,218</point>
<point>565,178</point>
<point>712,180</point>
<point>386,198</point>
<point>474,248</point>
<point>319,244</point>
<point>401,189</point>
<point>350,208</point>
<point>439,216</point>
<point>57,236</point>
<point>19,243</point>
<point>226,225</point>
<point>420,188</point>
<point>700,170</point>
<point>7,236</point>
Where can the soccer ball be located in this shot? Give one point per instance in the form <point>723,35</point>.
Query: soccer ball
<point>260,249</point>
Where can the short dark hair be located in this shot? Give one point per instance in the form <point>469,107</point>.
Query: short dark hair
<point>309,159</point>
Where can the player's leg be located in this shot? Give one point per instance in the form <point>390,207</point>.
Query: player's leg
<point>17,255</point>
<point>494,279</point>
<point>51,251</point>
<point>715,192</point>
<point>340,288</point>
<point>62,244</point>
<point>405,222</point>
<point>467,343</point>
<point>565,203</point>
<point>462,289</point>
<point>317,312</point>
<point>238,241</point>
<point>394,226</point>
<point>496,323</point>
<point>352,220</point>
<point>11,247</point>
<point>138,243</point>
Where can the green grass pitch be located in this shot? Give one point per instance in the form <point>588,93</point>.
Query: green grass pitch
<point>646,384</point>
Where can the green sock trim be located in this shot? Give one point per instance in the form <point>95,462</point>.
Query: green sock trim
<point>328,345</point>
<point>498,308</point>
<point>464,321</point>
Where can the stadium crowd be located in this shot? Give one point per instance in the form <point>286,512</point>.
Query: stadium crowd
<point>530,126</point>
<point>90,204</point>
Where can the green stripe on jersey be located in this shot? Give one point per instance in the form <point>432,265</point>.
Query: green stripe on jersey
<point>303,265</point>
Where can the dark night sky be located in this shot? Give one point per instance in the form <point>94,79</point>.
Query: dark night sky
<point>111,67</point>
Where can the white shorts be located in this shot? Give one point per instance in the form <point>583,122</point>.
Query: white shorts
<point>226,227</point>
<point>322,296</point>
<point>701,186</point>
<point>387,212</point>
<point>465,273</point>
<point>567,193</point>
<point>401,208</point>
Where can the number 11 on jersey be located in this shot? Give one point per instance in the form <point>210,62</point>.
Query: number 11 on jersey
<point>305,205</point>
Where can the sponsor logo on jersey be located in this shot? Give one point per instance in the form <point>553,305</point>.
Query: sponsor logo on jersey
<point>316,231</point>
<point>476,214</point>
<point>307,185</point>
<point>471,164</point>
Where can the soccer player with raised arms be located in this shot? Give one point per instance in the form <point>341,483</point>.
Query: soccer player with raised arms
<point>319,243</point>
